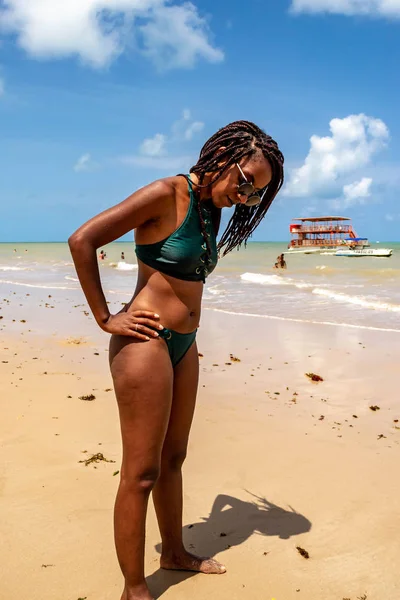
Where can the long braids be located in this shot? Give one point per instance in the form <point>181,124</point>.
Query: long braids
<point>239,139</point>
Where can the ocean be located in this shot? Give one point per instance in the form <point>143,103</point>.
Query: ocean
<point>359,292</point>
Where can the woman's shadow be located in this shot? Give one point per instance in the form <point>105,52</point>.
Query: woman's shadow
<point>231,522</point>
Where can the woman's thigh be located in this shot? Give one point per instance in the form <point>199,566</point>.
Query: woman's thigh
<point>186,376</point>
<point>143,383</point>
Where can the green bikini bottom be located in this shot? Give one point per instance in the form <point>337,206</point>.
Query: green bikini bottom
<point>178,343</point>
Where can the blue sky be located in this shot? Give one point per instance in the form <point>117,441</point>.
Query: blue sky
<point>95,103</point>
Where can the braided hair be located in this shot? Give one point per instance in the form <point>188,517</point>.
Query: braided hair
<point>239,139</point>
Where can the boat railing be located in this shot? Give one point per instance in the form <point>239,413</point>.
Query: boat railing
<point>324,242</point>
<point>323,228</point>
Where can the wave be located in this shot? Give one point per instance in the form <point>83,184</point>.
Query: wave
<point>123,266</point>
<point>43,287</point>
<point>273,280</point>
<point>264,279</point>
<point>216,291</point>
<point>294,320</point>
<point>362,301</point>
<point>357,300</point>
<point>13,268</point>
<point>71,278</point>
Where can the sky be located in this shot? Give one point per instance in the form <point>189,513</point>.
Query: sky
<point>101,97</point>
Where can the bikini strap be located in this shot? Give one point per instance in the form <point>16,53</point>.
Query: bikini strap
<point>190,183</point>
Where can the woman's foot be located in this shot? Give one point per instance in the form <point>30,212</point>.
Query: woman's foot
<point>189,562</point>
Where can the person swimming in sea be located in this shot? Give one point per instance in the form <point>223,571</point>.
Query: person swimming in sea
<point>280,262</point>
<point>153,353</point>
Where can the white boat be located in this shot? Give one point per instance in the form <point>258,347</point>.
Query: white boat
<point>351,252</point>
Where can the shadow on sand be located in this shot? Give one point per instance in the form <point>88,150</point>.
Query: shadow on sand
<point>231,522</point>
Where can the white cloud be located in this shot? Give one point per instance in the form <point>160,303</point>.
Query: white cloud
<point>193,128</point>
<point>333,159</point>
<point>354,193</point>
<point>2,87</point>
<point>171,33</point>
<point>185,128</point>
<point>155,152</point>
<point>358,189</point>
<point>383,8</point>
<point>154,146</point>
<point>84,163</point>
<point>176,36</point>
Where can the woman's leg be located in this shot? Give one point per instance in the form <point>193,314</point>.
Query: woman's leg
<point>168,493</point>
<point>143,380</point>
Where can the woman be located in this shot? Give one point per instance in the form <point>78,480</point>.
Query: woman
<point>153,353</point>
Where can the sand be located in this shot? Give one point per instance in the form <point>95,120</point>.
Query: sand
<point>275,461</point>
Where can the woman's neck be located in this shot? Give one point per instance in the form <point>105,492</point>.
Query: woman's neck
<point>203,192</point>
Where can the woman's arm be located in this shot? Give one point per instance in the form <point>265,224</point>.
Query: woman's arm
<point>144,205</point>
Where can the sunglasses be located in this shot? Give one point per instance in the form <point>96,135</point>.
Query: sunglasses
<point>247,189</point>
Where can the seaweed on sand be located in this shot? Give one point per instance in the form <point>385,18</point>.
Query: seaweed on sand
<point>95,458</point>
<point>88,398</point>
<point>314,377</point>
<point>303,552</point>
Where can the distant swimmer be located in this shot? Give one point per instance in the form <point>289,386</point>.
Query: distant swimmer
<point>280,262</point>
<point>122,256</point>
<point>102,255</point>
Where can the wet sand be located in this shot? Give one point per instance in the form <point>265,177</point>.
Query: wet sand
<point>276,461</point>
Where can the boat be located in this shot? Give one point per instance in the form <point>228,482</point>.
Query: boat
<point>354,252</point>
<point>322,235</point>
<point>330,235</point>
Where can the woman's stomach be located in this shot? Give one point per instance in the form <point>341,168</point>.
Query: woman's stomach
<point>178,302</point>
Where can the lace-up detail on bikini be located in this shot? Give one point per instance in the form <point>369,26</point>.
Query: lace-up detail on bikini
<point>190,252</point>
<point>207,231</point>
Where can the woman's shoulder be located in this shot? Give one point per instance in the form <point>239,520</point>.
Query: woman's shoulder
<point>169,186</point>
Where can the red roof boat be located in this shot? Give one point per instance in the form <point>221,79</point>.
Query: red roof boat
<point>320,234</point>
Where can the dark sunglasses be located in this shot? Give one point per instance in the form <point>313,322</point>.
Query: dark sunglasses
<point>247,189</point>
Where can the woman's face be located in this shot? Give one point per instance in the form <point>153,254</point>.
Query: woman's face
<point>257,170</point>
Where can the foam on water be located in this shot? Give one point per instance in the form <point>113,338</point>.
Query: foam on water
<point>123,266</point>
<point>362,301</point>
<point>357,300</point>
<point>263,279</point>
<point>6,268</point>
<point>43,287</point>
<point>293,320</point>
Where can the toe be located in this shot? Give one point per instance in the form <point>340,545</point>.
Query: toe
<point>212,566</point>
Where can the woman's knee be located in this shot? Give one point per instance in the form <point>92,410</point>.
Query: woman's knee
<point>139,481</point>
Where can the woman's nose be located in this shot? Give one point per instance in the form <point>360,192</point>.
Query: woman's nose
<point>242,198</point>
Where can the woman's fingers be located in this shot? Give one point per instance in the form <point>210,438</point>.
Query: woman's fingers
<point>148,322</point>
<point>145,313</point>
<point>141,328</point>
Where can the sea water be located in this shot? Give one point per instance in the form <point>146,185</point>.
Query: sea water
<point>361,292</point>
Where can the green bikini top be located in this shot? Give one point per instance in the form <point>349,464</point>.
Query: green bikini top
<point>184,254</point>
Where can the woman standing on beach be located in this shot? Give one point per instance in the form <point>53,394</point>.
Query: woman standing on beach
<point>153,353</point>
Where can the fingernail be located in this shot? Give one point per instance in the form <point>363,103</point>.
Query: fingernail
<point>157,316</point>
<point>147,339</point>
<point>160,327</point>
<point>156,334</point>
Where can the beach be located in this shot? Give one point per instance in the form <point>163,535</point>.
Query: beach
<point>279,467</point>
